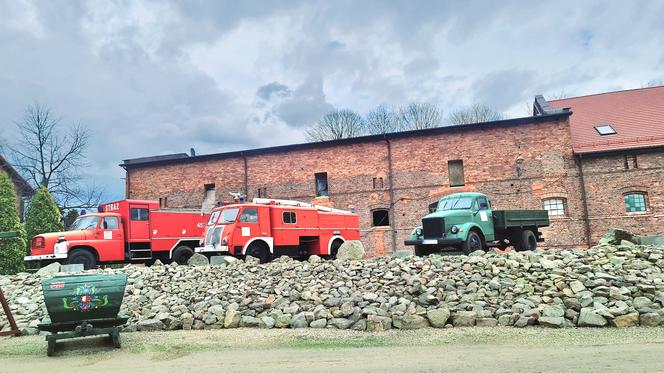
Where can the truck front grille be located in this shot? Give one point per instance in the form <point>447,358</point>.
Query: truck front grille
<point>433,227</point>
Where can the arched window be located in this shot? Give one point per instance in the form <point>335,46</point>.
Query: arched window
<point>380,218</point>
<point>636,202</point>
<point>555,206</point>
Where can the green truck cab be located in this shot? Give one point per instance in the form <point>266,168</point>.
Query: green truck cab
<point>466,221</point>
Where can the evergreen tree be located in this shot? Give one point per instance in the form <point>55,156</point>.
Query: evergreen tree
<point>12,250</point>
<point>43,215</point>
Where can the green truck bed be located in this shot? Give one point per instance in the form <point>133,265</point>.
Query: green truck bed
<point>503,219</point>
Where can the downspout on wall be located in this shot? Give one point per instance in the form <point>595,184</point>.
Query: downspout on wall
<point>582,186</point>
<point>246,175</point>
<point>390,183</point>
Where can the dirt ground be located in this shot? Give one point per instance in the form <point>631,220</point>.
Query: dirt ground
<point>255,350</point>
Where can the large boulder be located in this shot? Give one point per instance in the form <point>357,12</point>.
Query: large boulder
<point>198,260</point>
<point>49,269</point>
<point>409,322</point>
<point>149,325</point>
<point>351,250</point>
<point>589,317</point>
<point>615,235</point>
<point>438,317</point>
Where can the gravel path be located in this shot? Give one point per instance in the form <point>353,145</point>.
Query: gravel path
<point>476,350</point>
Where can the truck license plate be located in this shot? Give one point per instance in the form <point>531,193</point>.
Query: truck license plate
<point>429,242</point>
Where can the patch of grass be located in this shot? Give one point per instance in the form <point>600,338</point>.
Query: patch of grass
<point>306,342</point>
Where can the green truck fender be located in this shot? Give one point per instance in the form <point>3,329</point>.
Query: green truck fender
<point>414,235</point>
<point>464,229</point>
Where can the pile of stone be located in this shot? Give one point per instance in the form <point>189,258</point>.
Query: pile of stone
<point>617,283</point>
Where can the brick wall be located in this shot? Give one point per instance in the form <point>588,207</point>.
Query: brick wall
<point>419,176</point>
<point>607,179</point>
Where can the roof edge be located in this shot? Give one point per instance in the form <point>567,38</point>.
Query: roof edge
<point>174,158</point>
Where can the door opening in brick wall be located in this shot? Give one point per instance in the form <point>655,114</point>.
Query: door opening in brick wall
<point>455,172</point>
<point>631,162</point>
<point>163,202</point>
<point>380,218</point>
<point>321,184</point>
<point>378,183</point>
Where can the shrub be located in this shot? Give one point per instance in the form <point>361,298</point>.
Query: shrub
<point>43,215</point>
<point>12,250</point>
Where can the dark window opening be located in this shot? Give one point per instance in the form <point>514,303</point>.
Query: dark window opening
<point>433,207</point>
<point>380,218</point>
<point>378,183</point>
<point>289,217</point>
<point>138,214</point>
<point>262,192</point>
<point>111,222</point>
<point>455,173</point>
<point>605,129</point>
<point>321,184</point>
<point>208,187</point>
<point>163,201</point>
<point>631,162</point>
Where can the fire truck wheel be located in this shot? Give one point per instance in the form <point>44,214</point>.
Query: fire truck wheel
<point>83,257</point>
<point>181,254</point>
<point>259,250</point>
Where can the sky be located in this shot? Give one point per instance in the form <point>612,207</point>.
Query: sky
<point>159,77</point>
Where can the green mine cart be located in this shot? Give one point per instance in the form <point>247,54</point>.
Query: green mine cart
<point>83,305</point>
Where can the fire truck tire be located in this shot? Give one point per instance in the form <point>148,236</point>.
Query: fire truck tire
<point>334,249</point>
<point>181,254</point>
<point>259,250</point>
<point>85,257</point>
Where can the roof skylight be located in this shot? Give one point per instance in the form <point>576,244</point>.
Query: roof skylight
<point>605,129</point>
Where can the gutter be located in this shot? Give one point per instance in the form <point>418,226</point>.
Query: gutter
<point>390,182</point>
<point>582,186</point>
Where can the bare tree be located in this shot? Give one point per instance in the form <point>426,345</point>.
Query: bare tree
<point>652,83</point>
<point>339,124</point>
<point>383,119</point>
<point>48,157</point>
<point>417,116</point>
<point>477,113</point>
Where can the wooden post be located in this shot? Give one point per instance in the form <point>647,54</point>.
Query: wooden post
<point>12,324</point>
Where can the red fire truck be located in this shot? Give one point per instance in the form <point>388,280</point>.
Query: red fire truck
<point>123,231</point>
<point>267,228</point>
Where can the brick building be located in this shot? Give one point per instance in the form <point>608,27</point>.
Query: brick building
<point>23,190</point>
<point>390,180</point>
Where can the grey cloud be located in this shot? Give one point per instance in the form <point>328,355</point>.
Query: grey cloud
<point>266,91</point>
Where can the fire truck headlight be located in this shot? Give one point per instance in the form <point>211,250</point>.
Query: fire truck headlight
<point>454,229</point>
<point>418,231</point>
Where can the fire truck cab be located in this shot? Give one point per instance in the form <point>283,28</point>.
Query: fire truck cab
<point>268,228</point>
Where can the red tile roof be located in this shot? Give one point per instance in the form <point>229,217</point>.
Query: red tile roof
<point>636,115</point>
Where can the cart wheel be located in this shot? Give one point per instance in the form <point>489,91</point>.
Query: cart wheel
<point>50,350</point>
<point>116,340</point>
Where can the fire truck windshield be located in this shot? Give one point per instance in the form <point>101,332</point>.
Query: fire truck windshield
<point>213,217</point>
<point>85,222</point>
<point>228,216</point>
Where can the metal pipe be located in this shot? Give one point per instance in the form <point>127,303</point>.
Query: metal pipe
<point>582,186</point>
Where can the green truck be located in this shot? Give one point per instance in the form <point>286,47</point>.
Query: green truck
<point>467,222</point>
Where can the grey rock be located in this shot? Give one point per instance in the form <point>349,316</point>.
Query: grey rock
<point>149,325</point>
<point>438,317</point>
<point>486,321</point>
<point>588,317</point>
<point>71,268</point>
<point>464,318</point>
<point>553,311</point>
<point>650,319</point>
<point>552,322</point>
<point>49,269</point>
<point>340,323</point>
<point>267,322</point>
<point>409,322</point>
<point>317,324</point>
<point>299,321</point>
<point>351,250</point>
<point>198,260</point>
<point>249,321</point>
